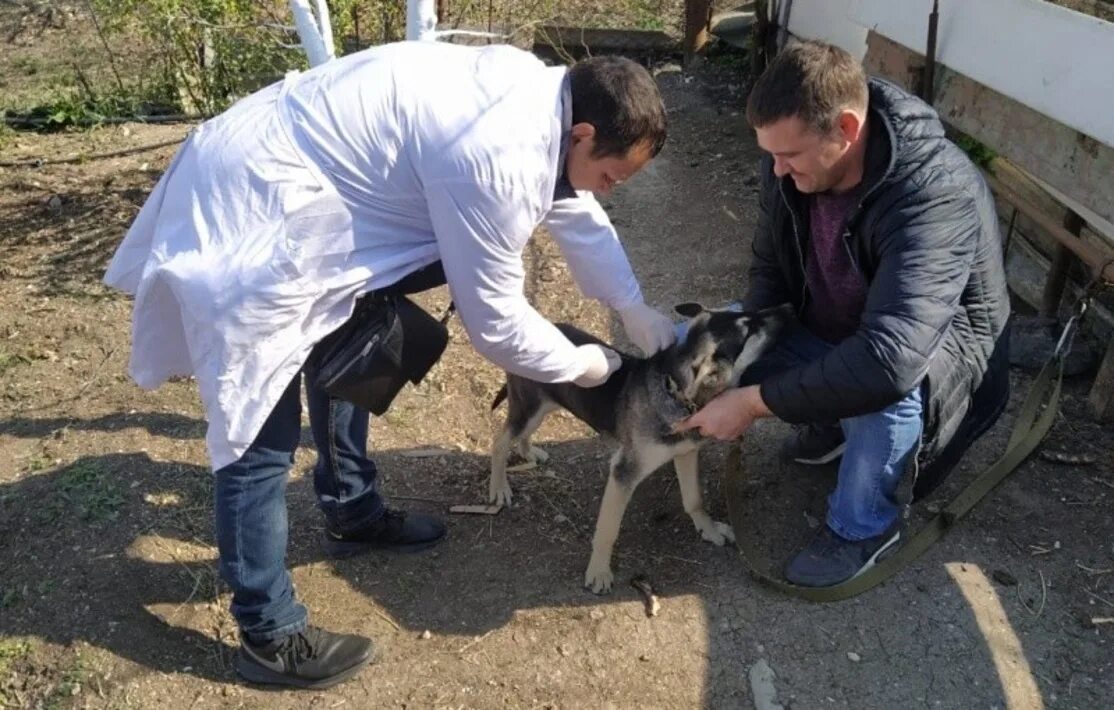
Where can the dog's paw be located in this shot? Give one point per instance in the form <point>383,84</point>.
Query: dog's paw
<point>499,494</point>
<point>599,580</point>
<point>536,455</point>
<point>717,533</point>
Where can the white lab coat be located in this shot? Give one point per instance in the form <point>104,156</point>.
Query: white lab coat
<point>276,215</point>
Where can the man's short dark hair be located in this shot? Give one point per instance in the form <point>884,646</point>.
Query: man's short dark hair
<point>621,100</point>
<point>811,80</point>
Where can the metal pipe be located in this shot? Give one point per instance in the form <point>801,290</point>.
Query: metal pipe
<point>1009,233</point>
<point>784,9</point>
<point>928,79</point>
<point>421,19</point>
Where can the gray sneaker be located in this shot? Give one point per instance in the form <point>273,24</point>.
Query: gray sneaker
<point>313,658</point>
<point>829,559</point>
<point>815,444</point>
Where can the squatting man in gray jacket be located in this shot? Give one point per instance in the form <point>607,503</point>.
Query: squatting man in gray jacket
<point>884,236</point>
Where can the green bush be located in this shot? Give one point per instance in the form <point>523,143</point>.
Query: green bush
<point>205,53</point>
<point>196,57</point>
<point>980,153</point>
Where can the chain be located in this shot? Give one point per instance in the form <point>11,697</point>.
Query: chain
<point>1096,284</point>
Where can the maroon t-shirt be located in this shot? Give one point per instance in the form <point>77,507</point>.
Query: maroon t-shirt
<point>836,288</point>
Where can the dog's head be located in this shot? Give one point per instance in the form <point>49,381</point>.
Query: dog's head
<point>718,348</point>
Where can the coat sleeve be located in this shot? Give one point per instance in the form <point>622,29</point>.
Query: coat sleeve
<point>596,258</point>
<point>925,245</point>
<point>481,231</point>
<point>766,286</point>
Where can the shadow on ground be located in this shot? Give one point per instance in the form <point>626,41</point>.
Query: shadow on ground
<point>116,551</point>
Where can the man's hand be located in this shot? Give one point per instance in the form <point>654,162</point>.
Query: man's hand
<point>729,415</point>
<point>647,328</point>
<point>598,362</point>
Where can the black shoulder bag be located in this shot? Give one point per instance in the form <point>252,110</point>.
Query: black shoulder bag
<point>388,341</point>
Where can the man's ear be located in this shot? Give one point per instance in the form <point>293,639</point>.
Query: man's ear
<point>689,309</point>
<point>582,131</point>
<point>849,125</point>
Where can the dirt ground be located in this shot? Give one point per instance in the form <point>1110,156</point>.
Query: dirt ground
<point>109,595</point>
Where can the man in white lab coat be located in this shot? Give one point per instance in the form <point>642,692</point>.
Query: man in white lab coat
<point>274,217</point>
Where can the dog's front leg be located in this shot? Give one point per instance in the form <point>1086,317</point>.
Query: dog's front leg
<point>621,482</point>
<point>598,576</point>
<point>688,476</point>
<point>498,489</point>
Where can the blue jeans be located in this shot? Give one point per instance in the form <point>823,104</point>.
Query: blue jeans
<point>879,445</point>
<point>250,503</point>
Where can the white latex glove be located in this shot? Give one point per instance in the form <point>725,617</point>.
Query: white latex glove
<point>648,328</point>
<point>599,362</point>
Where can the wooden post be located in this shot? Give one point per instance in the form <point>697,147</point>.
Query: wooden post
<point>1058,272</point>
<point>760,34</point>
<point>698,16</point>
<point>1101,398</point>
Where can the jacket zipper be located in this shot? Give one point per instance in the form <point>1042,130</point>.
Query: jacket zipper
<point>859,207</point>
<point>847,248</point>
<point>844,236</point>
<point>797,244</point>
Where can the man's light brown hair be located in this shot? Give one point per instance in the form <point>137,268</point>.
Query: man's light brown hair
<point>811,80</point>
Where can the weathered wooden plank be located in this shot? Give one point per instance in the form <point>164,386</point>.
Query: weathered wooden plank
<point>1077,165</point>
<point>1096,258</point>
<point>577,41</point>
<point>1055,61</point>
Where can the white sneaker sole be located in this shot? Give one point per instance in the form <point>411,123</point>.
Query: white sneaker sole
<point>261,675</point>
<point>877,556</point>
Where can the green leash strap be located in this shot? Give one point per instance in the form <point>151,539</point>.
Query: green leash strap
<point>1033,423</point>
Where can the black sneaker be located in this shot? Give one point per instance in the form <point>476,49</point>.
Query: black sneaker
<point>313,658</point>
<point>829,559</point>
<point>816,444</point>
<point>395,530</point>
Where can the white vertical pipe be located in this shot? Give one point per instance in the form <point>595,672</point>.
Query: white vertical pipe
<point>313,42</point>
<point>421,19</point>
<point>325,23</point>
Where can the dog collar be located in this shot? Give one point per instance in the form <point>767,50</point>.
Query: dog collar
<point>675,392</point>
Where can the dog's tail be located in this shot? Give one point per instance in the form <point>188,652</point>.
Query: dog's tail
<point>499,397</point>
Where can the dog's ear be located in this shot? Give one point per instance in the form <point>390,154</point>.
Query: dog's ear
<point>779,315</point>
<point>762,330</point>
<point>689,309</point>
<point>758,341</point>
<point>770,321</point>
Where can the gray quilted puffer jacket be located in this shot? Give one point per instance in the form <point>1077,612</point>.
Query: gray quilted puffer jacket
<point>925,237</point>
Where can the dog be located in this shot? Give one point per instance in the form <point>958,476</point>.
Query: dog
<point>637,409</point>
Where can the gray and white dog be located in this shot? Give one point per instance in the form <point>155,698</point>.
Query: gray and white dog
<point>638,408</point>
